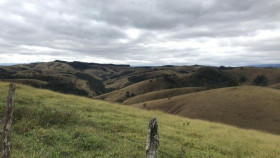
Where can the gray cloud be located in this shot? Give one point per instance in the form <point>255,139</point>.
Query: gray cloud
<point>148,32</point>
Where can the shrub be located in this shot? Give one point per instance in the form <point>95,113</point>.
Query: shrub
<point>242,79</point>
<point>127,94</point>
<point>261,80</point>
<point>144,105</point>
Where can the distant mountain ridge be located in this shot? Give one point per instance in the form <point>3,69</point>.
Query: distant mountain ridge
<point>266,65</point>
<point>8,64</point>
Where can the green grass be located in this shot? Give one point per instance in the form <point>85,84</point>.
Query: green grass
<point>50,124</point>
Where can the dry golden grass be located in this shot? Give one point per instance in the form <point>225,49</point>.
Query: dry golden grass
<point>275,86</point>
<point>116,83</point>
<point>273,74</point>
<point>137,88</point>
<point>166,93</point>
<point>249,107</point>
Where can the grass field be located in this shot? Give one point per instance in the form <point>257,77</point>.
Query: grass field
<point>166,93</point>
<point>50,124</point>
<point>251,107</point>
<point>251,73</point>
<point>137,88</point>
<point>275,86</point>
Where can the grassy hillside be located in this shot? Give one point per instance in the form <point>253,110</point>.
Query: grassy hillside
<point>166,93</point>
<point>128,77</point>
<point>93,79</point>
<point>275,86</point>
<point>137,89</point>
<point>68,77</point>
<point>249,107</point>
<point>250,74</point>
<point>49,124</point>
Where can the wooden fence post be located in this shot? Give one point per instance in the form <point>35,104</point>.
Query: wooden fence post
<point>152,139</point>
<point>6,146</point>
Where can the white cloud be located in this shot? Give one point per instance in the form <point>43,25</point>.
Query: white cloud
<point>150,32</point>
<point>133,33</point>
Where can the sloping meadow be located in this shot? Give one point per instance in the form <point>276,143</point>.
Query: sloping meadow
<point>50,124</point>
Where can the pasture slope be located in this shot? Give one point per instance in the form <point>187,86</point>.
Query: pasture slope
<point>160,94</point>
<point>250,73</point>
<point>275,86</point>
<point>249,107</point>
<point>50,124</point>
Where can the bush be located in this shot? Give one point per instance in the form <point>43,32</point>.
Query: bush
<point>261,80</point>
<point>127,94</point>
<point>144,105</point>
<point>242,79</point>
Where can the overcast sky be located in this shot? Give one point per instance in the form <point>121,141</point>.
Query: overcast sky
<point>141,32</point>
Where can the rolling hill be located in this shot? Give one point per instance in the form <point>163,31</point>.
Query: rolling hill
<point>68,77</point>
<point>50,124</point>
<point>250,74</point>
<point>275,86</point>
<point>249,107</point>
<point>160,94</point>
<point>135,89</point>
<point>126,84</point>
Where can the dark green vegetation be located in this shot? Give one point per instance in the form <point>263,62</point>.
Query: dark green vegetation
<point>50,124</point>
<point>261,80</point>
<point>212,78</point>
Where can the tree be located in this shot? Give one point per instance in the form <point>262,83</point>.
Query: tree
<point>127,94</point>
<point>261,80</point>
<point>242,79</point>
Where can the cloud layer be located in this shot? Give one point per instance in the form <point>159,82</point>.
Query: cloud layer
<point>147,32</point>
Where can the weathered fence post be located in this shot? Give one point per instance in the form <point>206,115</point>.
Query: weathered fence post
<point>152,139</point>
<point>6,146</point>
